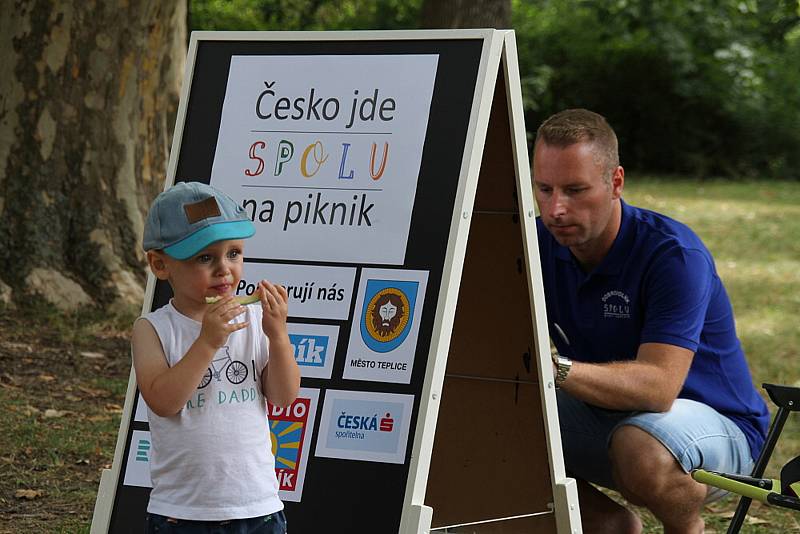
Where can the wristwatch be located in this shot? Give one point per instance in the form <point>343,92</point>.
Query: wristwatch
<point>563,365</point>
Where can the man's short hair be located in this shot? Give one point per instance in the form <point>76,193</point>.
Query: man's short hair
<point>572,126</point>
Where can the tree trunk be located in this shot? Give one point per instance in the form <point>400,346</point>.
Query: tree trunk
<point>88,95</point>
<point>466,14</point>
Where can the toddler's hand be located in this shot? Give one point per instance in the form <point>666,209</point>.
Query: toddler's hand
<point>275,303</point>
<point>216,322</point>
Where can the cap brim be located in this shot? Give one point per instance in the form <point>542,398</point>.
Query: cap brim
<point>196,242</point>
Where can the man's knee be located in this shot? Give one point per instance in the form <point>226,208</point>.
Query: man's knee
<point>647,474</point>
<point>641,465</point>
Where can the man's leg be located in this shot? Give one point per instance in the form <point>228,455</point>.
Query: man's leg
<point>585,432</point>
<point>652,454</point>
<point>648,475</point>
<point>602,515</point>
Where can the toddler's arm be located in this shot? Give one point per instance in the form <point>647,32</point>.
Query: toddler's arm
<point>167,389</point>
<point>280,380</point>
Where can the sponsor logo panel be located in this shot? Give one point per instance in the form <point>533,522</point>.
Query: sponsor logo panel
<point>290,431</point>
<point>314,348</point>
<point>137,472</point>
<point>383,345</point>
<point>366,426</point>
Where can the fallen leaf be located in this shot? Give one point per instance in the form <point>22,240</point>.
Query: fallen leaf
<point>30,410</point>
<point>8,379</point>
<point>92,392</point>
<point>113,408</point>
<point>46,378</point>
<point>28,494</point>
<point>96,418</point>
<point>72,398</point>
<point>82,461</point>
<point>93,355</point>
<point>752,520</point>
<point>17,346</point>
<point>51,413</point>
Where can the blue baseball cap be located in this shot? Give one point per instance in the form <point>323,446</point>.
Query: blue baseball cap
<point>189,216</point>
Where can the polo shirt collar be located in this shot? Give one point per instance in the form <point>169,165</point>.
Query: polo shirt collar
<point>617,255</point>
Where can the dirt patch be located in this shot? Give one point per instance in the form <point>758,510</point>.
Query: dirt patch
<point>62,387</point>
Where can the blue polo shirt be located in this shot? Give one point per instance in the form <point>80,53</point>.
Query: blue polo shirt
<point>658,284</point>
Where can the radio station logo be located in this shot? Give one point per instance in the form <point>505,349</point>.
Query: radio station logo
<point>290,431</point>
<point>309,351</point>
<point>388,313</point>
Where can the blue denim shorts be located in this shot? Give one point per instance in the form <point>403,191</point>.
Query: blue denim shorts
<point>268,524</point>
<point>694,433</point>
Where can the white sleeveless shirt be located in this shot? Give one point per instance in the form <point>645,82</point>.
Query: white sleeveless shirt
<point>213,460</point>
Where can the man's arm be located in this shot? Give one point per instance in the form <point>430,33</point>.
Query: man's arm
<point>651,382</point>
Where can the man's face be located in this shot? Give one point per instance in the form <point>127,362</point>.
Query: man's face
<point>575,202</point>
<point>387,312</point>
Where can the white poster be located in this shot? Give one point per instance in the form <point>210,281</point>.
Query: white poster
<point>314,347</point>
<point>137,471</point>
<point>362,425</point>
<point>324,152</point>
<point>383,336</point>
<point>314,291</point>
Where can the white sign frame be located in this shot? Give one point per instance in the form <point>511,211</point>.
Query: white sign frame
<point>499,50</point>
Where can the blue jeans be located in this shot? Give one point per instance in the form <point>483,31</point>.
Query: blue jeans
<point>695,434</point>
<point>268,524</point>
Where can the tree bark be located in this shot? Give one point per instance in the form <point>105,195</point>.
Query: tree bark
<point>88,95</point>
<point>466,14</point>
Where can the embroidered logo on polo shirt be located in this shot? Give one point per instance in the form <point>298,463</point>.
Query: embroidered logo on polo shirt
<point>616,305</point>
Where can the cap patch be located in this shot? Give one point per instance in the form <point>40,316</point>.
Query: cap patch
<point>204,209</point>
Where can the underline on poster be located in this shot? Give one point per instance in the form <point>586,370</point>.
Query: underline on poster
<point>313,187</point>
<point>320,132</point>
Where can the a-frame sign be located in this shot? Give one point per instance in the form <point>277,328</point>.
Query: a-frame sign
<point>386,173</point>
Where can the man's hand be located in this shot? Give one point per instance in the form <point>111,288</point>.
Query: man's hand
<point>216,322</point>
<point>275,303</point>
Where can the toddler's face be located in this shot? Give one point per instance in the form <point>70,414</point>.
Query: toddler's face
<point>214,272</point>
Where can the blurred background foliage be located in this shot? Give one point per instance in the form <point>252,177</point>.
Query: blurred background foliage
<point>692,87</point>
<point>699,87</point>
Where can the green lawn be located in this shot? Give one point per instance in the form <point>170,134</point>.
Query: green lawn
<point>753,231</point>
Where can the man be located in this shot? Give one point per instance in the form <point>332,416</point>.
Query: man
<point>652,378</point>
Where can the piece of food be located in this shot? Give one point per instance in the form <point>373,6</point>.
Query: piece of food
<point>249,299</point>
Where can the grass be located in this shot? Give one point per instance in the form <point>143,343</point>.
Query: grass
<point>752,228</point>
<point>63,379</point>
